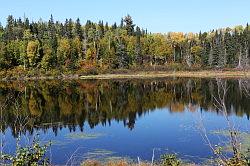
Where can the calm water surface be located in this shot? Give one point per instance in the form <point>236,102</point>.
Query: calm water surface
<point>121,118</point>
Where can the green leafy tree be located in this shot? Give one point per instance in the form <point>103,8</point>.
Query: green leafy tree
<point>33,55</point>
<point>23,54</point>
<point>48,58</point>
<point>63,51</point>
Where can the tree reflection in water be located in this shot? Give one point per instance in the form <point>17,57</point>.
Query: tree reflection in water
<point>59,104</point>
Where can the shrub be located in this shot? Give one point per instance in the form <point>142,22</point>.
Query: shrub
<point>170,160</point>
<point>33,155</point>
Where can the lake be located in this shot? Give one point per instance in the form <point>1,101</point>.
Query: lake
<point>103,119</point>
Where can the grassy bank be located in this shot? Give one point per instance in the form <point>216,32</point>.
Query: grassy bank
<point>119,74</point>
<point>162,74</point>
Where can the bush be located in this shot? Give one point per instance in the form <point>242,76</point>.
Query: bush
<point>33,155</point>
<point>170,160</point>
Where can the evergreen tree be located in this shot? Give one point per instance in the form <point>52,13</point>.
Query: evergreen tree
<point>138,52</point>
<point>106,28</point>
<point>51,28</point>
<point>1,32</point>
<point>26,23</point>
<point>9,31</point>
<point>68,25</point>
<point>114,26</point>
<point>78,29</point>
<point>121,53</point>
<point>122,23</point>
<point>4,59</point>
<point>101,30</point>
<point>129,25</point>
<point>52,36</point>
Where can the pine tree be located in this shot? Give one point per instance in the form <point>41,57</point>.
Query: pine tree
<point>4,60</point>
<point>52,36</point>
<point>239,49</point>
<point>1,32</point>
<point>101,29</point>
<point>106,28</point>
<point>9,32</point>
<point>51,28</point>
<point>26,23</point>
<point>121,24</point>
<point>68,25</point>
<point>78,29</point>
<point>211,56</point>
<point>245,36</point>
<point>61,30</point>
<point>138,52</point>
<point>19,29</point>
<point>34,29</point>
<point>114,26</point>
<point>205,53</point>
<point>88,25</point>
<point>121,53</point>
<point>129,25</point>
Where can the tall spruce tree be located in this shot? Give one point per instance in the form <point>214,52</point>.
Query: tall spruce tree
<point>129,25</point>
<point>138,48</point>
<point>78,29</point>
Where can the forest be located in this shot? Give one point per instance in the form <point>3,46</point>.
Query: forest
<point>72,46</point>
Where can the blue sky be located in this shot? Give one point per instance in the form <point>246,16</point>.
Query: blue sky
<point>155,15</point>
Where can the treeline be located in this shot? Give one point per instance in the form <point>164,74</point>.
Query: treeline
<point>48,45</point>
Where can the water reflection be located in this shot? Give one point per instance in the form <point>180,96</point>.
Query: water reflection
<point>72,104</point>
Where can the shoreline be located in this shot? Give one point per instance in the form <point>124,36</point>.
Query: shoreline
<point>161,74</point>
<point>138,75</point>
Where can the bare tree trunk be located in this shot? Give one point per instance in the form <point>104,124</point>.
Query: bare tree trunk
<point>109,43</point>
<point>225,57</point>
<point>174,54</point>
<point>221,103</point>
<point>246,57</point>
<point>240,59</point>
<point>188,58</point>
<point>211,58</point>
<point>85,44</point>
<point>181,53</point>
